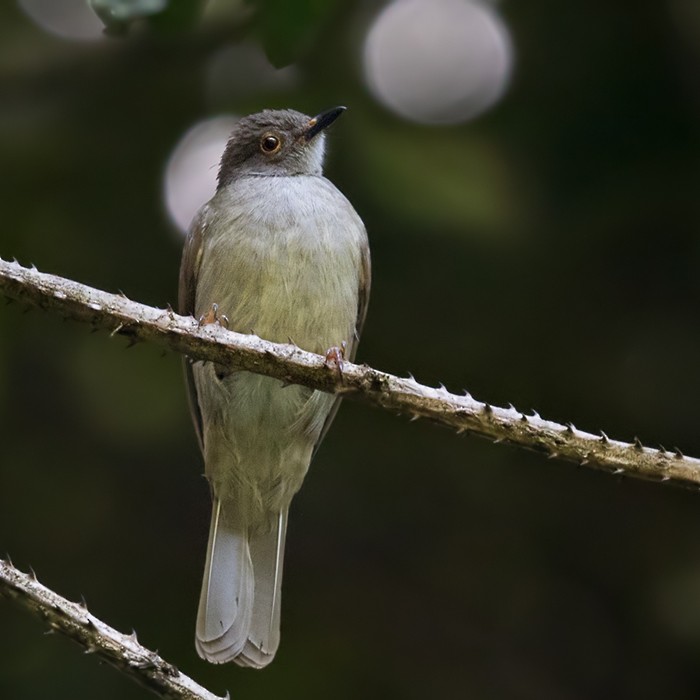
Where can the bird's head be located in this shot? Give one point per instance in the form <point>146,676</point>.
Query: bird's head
<point>276,143</point>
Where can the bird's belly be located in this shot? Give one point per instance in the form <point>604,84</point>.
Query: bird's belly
<point>258,439</point>
<point>303,305</point>
<point>298,290</point>
<point>259,435</point>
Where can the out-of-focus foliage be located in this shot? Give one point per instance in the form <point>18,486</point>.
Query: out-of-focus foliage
<point>546,254</point>
<point>119,15</point>
<point>288,30</point>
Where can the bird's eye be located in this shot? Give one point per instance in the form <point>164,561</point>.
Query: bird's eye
<point>270,143</point>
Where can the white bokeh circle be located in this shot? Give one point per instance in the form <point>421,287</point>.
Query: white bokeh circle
<point>438,61</point>
<point>190,174</point>
<point>67,19</point>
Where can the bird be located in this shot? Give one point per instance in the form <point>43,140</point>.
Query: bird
<point>280,252</point>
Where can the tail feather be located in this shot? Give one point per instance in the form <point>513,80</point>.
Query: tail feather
<point>267,554</point>
<point>239,607</point>
<point>226,601</point>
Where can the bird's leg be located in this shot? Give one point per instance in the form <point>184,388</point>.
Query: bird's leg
<point>213,316</point>
<point>335,357</point>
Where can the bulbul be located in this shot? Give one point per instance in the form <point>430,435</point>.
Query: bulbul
<point>279,252</point>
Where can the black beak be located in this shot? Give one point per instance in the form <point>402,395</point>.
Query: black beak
<point>321,121</point>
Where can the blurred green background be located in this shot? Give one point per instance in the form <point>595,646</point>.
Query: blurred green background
<point>545,253</point>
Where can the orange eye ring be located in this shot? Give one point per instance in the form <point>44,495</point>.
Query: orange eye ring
<point>270,144</point>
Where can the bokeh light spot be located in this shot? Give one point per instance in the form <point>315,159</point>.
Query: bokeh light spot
<point>190,174</point>
<point>438,61</point>
<point>67,19</point>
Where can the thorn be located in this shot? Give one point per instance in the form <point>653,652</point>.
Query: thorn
<point>9,560</point>
<point>570,428</point>
<point>662,449</point>
<point>523,418</point>
<point>583,462</point>
<point>535,415</point>
<point>32,267</point>
<point>90,649</point>
<point>133,637</point>
<point>32,575</point>
<point>487,409</point>
<point>553,455</point>
<point>618,471</point>
<point>604,438</point>
<point>468,396</point>
<point>122,295</point>
<point>415,416</point>
<point>461,430</point>
<point>665,477</point>
<point>677,453</point>
<point>411,377</point>
<point>291,341</point>
<point>442,388</point>
<point>638,444</point>
<point>83,603</point>
<point>511,407</point>
<point>116,330</point>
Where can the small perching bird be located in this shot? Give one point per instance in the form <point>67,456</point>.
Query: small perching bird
<point>280,252</point>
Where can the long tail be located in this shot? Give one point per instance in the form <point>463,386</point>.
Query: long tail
<point>267,555</point>
<point>239,608</point>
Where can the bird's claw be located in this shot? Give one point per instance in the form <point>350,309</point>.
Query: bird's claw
<point>335,357</point>
<point>213,316</point>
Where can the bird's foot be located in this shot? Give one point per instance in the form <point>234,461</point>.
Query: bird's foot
<point>335,358</point>
<point>213,316</point>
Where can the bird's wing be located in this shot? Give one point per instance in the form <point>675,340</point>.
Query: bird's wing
<point>362,299</point>
<point>189,271</point>
<point>365,283</point>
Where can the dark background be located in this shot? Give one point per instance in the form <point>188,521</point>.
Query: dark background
<point>419,564</point>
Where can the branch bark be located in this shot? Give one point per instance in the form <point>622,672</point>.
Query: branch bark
<point>120,650</point>
<point>292,365</point>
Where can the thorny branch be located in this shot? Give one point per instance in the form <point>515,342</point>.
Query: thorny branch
<point>292,365</point>
<point>120,650</point>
